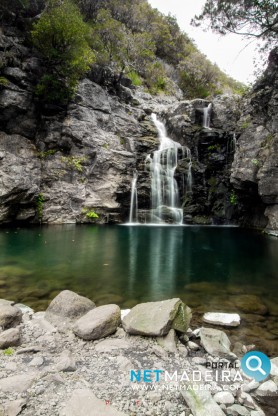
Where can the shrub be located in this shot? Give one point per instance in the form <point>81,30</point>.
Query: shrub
<point>3,82</point>
<point>61,36</point>
<point>135,78</point>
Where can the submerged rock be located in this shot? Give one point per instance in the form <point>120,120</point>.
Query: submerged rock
<point>250,304</point>
<point>157,318</point>
<point>98,323</point>
<point>66,308</point>
<point>223,319</point>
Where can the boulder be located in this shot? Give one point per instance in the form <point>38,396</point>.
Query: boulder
<point>223,319</point>
<point>98,323</point>
<point>201,403</point>
<point>66,308</point>
<point>224,397</point>
<point>17,384</point>
<point>216,343</point>
<point>10,316</point>
<point>157,318</point>
<point>268,388</point>
<point>13,408</point>
<point>9,338</point>
<point>237,410</point>
<point>84,402</point>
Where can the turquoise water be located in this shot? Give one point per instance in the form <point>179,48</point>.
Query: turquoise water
<point>211,268</point>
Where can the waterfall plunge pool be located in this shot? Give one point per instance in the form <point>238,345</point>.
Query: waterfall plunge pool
<point>210,268</point>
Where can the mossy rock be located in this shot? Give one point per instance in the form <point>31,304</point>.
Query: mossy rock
<point>157,318</point>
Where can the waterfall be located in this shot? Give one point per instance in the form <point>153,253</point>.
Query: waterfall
<point>234,142</point>
<point>133,213</point>
<point>189,174</point>
<point>206,117</point>
<point>164,188</point>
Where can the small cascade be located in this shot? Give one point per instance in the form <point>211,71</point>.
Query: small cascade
<point>189,174</point>
<point>164,188</point>
<point>234,142</point>
<point>133,213</point>
<point>206,116</point>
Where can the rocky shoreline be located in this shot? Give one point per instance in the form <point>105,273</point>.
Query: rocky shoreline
<point>79,359</point>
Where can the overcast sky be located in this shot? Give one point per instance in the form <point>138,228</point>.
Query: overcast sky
<point>228,52</point>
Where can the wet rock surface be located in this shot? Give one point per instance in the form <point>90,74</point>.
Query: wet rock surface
<point>57,373</point>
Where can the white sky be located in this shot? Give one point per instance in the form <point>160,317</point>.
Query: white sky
<point>228,52</point>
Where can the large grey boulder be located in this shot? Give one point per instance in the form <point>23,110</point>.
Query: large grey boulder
<point>201,403</point>
<point>157,318</point>
<point>216,343</point>
<point>10,316</point>
<point>18,383</point>
<point>84,402</point>
<point>66,308</point>
<point>9,338</point>
<point>98,323</point>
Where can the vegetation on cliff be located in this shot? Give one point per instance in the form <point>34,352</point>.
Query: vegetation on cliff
<point>61,36</point>
<point>128,36</point>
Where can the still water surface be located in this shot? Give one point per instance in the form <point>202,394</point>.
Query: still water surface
<point>211,268</point>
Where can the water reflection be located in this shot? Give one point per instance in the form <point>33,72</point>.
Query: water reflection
<point>146,263</point>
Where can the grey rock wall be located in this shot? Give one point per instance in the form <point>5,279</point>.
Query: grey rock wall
<point>255,167</point>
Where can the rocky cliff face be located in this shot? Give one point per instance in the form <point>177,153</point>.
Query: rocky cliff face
<point>255,167</point>
<point>61,165</point>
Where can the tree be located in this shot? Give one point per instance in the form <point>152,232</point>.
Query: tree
<point>118,47</point>
<point>251,18</point>
<point>61,37</point>
<point>198,76</point>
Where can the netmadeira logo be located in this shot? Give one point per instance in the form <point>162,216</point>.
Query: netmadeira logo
<point>256,364</point>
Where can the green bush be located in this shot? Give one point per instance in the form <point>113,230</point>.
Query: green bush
<point>135,78</point>
<point>3,82</point>
<point>62,38</point>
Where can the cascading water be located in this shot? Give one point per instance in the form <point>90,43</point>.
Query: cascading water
<point>164,188</point>
<point>133,213</point>
<point>189,174</point>
<point>234,142</point>
<point>206,117</point>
